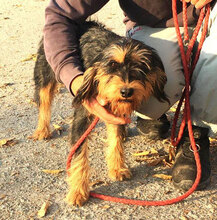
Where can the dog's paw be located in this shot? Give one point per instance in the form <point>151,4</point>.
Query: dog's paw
<point>120,175</point>
<point>41,134</point>
<point>76,198</point>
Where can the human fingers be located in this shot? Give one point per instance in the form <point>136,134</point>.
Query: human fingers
<point>198,3</point>
<point>193,2</point>
<point>98,110</point>
<point>201,3</point>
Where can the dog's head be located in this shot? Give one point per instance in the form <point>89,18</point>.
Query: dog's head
<point>125,74</point>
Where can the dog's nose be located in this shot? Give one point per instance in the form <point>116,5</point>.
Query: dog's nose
<point>126,92</point>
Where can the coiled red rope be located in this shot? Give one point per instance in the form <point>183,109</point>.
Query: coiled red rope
<point>188,67</point>
<point>188,70</point>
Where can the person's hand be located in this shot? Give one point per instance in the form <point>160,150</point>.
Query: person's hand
<point>96,105</point>
<point>198,3</point>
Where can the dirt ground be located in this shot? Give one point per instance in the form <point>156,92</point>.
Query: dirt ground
<point>24,186</point>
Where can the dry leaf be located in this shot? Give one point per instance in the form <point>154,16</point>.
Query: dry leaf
<point>54,172</point>
<point>153,158</point>
<point>106,207</point>
<point>8,142</point>
<point>168,164</point>
<point>2,196</point>
<point>141,153</point>
<point>42,212</point>
<point>145,153</point>
<point>163,176</point>
<point>16,173</point>
<point>3,142</point>
<point>57,127</point>
<point>30,57</point>
<point>154,162</point>
<point>172,154</point>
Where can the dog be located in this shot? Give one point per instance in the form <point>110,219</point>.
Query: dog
<point>123,71</point>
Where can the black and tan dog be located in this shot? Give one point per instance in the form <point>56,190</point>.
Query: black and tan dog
<point>123,71</point>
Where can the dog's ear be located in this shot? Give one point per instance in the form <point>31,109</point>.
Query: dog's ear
<point>89,87</point>
<point>158,79</point>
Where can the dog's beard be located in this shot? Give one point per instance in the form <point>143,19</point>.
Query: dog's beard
<point>123,108</point>
<point>118,105</point>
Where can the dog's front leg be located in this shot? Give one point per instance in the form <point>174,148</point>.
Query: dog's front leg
<point>78,178</point>
<point>117,168</point>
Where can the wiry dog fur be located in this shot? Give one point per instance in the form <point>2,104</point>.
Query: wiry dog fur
<point>123,71</point>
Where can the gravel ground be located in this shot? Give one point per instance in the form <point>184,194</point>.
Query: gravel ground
<point>24,187</point>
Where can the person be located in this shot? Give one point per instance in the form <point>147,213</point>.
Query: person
<point>151,23</point>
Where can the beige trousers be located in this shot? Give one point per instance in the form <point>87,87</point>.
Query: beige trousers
<point>203,98</point>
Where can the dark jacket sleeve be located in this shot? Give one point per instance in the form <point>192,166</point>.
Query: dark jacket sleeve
<point>60,31</point>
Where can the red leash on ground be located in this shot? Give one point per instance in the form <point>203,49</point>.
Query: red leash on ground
<point>188,70</point>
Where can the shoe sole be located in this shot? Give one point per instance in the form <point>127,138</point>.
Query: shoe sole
<point>185,185</point>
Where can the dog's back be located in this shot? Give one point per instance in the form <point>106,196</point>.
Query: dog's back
<point>93,40</point>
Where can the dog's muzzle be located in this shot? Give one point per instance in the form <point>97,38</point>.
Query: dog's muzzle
<point>126,92</point>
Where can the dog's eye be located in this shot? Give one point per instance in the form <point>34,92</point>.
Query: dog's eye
<point>136,74</point>
<point>113,64</point>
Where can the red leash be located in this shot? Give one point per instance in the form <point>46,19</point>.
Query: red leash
<point>188,69</point>
<point>79,142</point>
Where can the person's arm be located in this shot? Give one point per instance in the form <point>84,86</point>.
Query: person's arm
<point>60,35</point>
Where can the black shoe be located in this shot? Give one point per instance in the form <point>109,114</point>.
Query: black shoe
<point>154,129</point>
<point>184,170</point>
